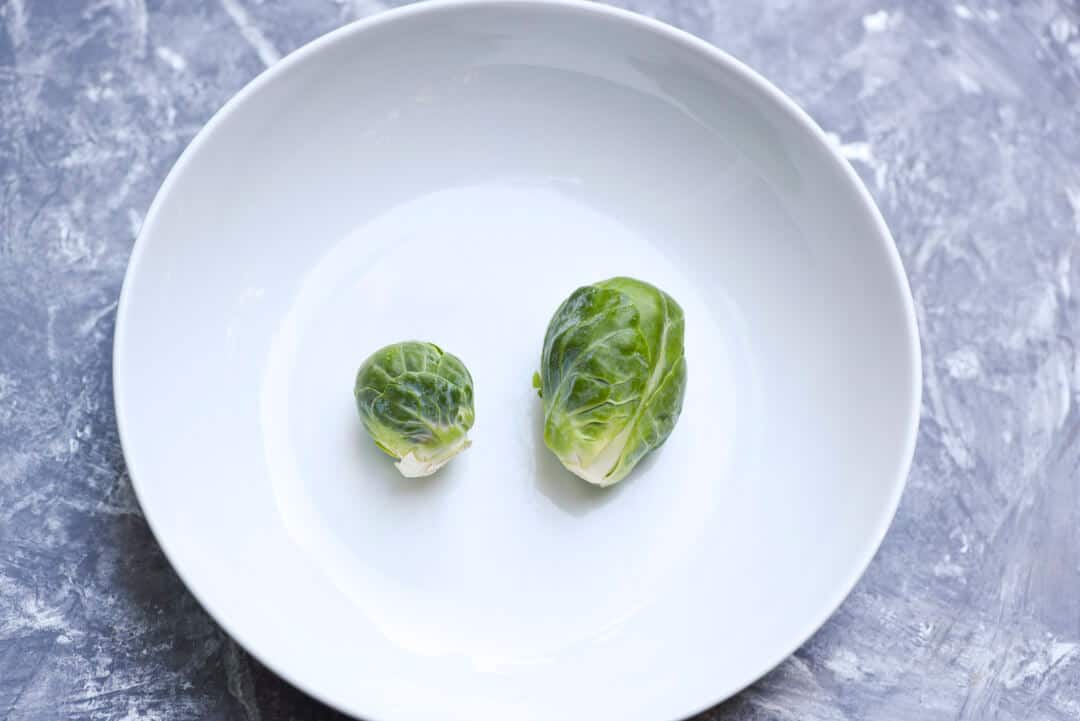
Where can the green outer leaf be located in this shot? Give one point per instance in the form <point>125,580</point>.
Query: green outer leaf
<point>415,398</point>
<point>613,376</point>
<point>656,422</point>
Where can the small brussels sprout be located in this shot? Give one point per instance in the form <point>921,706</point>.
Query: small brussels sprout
<point>612,377</point>
<point>416,402</point>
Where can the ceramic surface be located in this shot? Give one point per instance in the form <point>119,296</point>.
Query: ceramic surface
<point>450,172</point>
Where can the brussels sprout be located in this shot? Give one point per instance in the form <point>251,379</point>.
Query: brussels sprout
<point>612,377</point>
<point>416,402</point>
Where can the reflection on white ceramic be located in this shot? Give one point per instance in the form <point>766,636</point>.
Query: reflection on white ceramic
<point>450,172</point>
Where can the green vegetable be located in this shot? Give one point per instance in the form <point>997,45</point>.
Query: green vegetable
<point>416,402</point>
<point>612,377</point>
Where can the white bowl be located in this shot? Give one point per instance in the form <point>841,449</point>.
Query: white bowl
<point>451,172</point>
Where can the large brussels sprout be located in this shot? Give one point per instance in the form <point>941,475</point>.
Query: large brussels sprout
<point>612,377</point>
<point>416,402</point>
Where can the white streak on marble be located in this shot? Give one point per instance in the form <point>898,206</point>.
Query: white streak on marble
<point>22,612</point>
<point>1065,391</point>
<point>951,439</point>
<point>50,334</point>
<point>876,22</point>
<point>1039,663</point>
<point>845,665</point>
<point>965,544</point>
<point>947,568</point>
<point>262,46</point>
<point>1072,194</point>
<point>1064,276</point>
<point>963,364</point>
<point>967,83</point>
<point>857,150</point>
<point>7,385</point>
<point>140,22</point>
<point>364,8</point>
<point>860,151</point>
<point>135,220</point>
<point>15,11</point>
<point>94,318</point>
<point>174,59</point>
<point>1061,29</point>
<point>240,682</point>
<point>72,245</point>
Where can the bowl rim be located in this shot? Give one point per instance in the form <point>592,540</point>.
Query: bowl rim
<point>719,59</point>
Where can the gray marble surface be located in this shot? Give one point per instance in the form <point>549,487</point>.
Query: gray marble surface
<point>963,119</point>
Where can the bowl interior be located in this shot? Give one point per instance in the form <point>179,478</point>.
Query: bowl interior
<point>451,173</point>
